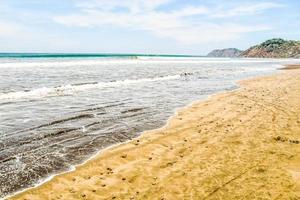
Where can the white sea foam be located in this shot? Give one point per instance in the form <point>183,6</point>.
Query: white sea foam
<point>139,60</point>
<point>72,89</point>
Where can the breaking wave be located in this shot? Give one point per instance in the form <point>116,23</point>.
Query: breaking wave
<point>74,88</point>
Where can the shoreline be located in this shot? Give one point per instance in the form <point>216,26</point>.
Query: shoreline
<point>95,155</point>
<point>291,66</point>
<point>146,135</point>
<point>74,167</point>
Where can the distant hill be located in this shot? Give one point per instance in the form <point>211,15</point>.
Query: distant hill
<point>230,52</point>
<point>274,48</point>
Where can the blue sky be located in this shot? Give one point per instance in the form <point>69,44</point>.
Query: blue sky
<point>143,26</point>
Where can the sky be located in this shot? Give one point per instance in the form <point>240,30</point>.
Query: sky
<point>144,26</point>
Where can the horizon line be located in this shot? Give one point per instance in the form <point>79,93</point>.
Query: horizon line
<point>92,54</point>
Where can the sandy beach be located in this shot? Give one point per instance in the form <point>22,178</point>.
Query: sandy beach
<point>243,144</point>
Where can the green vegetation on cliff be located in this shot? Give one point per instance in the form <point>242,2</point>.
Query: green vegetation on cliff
<point>274,48</point>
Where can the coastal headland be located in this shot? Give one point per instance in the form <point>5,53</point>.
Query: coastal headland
<point>243,144</point>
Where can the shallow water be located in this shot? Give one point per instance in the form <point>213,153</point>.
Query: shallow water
<point>57,112</point>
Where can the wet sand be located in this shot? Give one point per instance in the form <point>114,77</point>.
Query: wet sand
<point>294,66</point>
<point>243,144</point>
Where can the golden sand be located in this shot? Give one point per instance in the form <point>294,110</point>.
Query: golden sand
<point>243,144</point>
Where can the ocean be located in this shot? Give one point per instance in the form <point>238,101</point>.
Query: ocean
<point>57,110</point>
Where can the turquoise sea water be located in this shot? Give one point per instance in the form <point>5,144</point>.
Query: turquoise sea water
<point>85,55</point>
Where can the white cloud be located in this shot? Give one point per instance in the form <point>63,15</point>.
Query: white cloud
<point>188,25</point>
<point>246,9</point>
<point>132,5</point>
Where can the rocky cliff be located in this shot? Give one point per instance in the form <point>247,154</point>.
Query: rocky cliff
<point>230,52</point>
<point>274,48</point>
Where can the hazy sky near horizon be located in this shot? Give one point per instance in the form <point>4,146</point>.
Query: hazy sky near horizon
<point>143,26</point>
